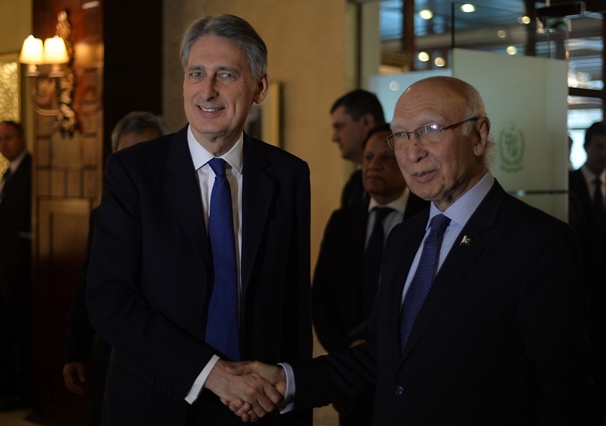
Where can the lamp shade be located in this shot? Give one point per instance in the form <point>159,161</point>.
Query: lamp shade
<point>55,51</point>
<point>32,53</point>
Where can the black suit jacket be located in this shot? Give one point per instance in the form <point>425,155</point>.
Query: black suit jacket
<point>15,227</point>
<point>338,276</point>
<point>593,244</point>
<point>593,249</point>
<point>353,191</point>
<point>149,279</point>
<point>15,282</point>
<point>502,338</point>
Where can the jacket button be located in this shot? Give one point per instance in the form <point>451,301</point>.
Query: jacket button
<point>399,390</point>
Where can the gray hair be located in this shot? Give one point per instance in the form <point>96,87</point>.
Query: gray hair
<point>234,29</point>
<point>476,108</point>
<point>137,122</point>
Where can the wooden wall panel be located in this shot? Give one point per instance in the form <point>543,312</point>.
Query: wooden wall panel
<point>62,222</point>
<point>117,68</point>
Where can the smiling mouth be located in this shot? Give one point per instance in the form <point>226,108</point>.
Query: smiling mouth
<point>210,109</point>
<point>421,175</point>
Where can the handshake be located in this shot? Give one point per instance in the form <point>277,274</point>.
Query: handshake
<point>250,389</point>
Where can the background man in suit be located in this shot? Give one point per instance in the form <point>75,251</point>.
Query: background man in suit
<point>81,337</point>
<point>343,289</point>
<point>587,217</point>
<point>353,115</point>
<point>499,334</point>
<point>15,268</point>
<point>154,286</point>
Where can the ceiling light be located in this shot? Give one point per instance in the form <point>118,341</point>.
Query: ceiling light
<point>426,14</point>
<point>468,8</point>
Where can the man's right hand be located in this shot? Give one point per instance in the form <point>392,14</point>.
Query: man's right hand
<point>273,374</point>
<point>74,377</point>
<point>255,394</point>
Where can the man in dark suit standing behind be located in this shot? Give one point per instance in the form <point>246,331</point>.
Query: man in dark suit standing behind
<point>158,275</point>
<point>587,217</point>
<point>481,315</point>
<point>15,268</point>
<point>346,278</point>
<point>81,338</point>
<point>352,116</point>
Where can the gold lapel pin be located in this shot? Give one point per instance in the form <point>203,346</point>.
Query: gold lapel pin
<point>465,241</point>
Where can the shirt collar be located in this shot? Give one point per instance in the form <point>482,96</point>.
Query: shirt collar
<point>461,210</point>
<point>399,204</point>
<point>200,156</point>
<point>14,165</point>
<point>590,176</point>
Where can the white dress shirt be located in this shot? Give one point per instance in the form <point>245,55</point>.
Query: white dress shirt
<point>206,178</point>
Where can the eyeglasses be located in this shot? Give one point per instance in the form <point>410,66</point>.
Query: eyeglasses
<point>400,141</point>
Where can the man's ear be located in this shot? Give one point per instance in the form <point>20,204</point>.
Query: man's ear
<point>483,130</point>
<point>368,121</point>
<point>262,89</point>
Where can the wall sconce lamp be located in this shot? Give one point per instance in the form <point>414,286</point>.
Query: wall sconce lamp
<point>52,90</point>
<point>53,53</point>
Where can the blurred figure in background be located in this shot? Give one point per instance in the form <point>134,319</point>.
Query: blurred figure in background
<point>81,339</point>
<point>353,115</point>
<point>587,217</point>
<point>15,268</point>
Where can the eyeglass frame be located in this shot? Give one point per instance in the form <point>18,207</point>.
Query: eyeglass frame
<point>417,132</point>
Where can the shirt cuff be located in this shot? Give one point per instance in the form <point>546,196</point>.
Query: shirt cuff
<point>289,396</point>
<point>196,388</point>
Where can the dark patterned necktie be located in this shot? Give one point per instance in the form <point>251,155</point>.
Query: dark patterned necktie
<point>7,175</point>
<point>598,205</point>
<point>372,260</point>
<point>421,282</point>
<point>222,326</point>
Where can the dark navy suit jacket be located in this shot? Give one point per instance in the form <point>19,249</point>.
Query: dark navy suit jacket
<point>150,278</point>
<point>502,338</point>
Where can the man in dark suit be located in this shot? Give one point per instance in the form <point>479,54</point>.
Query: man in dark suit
<point>15,268</point>
<point>81,339</point>
<point>155,265</point>
<point>587,217</point>
<point>341,299</point>
<point>352,116</point>
<point>481,315</point>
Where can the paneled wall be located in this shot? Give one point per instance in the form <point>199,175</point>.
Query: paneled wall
<point>116,68</point>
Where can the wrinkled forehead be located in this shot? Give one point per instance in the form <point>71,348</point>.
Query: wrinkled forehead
<point>424,103</point>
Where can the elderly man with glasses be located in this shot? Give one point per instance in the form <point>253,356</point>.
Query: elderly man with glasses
<point>480,316</point>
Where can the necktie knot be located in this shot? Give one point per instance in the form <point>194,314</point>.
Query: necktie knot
<point>438,224</point>
<point>381,213</point>
<point>218,166</point>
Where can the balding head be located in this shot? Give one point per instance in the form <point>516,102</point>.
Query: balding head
<point>447,153</point>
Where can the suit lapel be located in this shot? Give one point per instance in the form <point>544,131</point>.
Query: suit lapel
<point>459,261</point>
<point>183,193</point>
<point>258,189</point>
<point>404,241</point>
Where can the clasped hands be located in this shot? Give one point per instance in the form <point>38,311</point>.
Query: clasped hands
<point>250,389</point>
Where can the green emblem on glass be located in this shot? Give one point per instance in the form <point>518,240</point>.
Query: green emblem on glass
<point>511,148</point>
